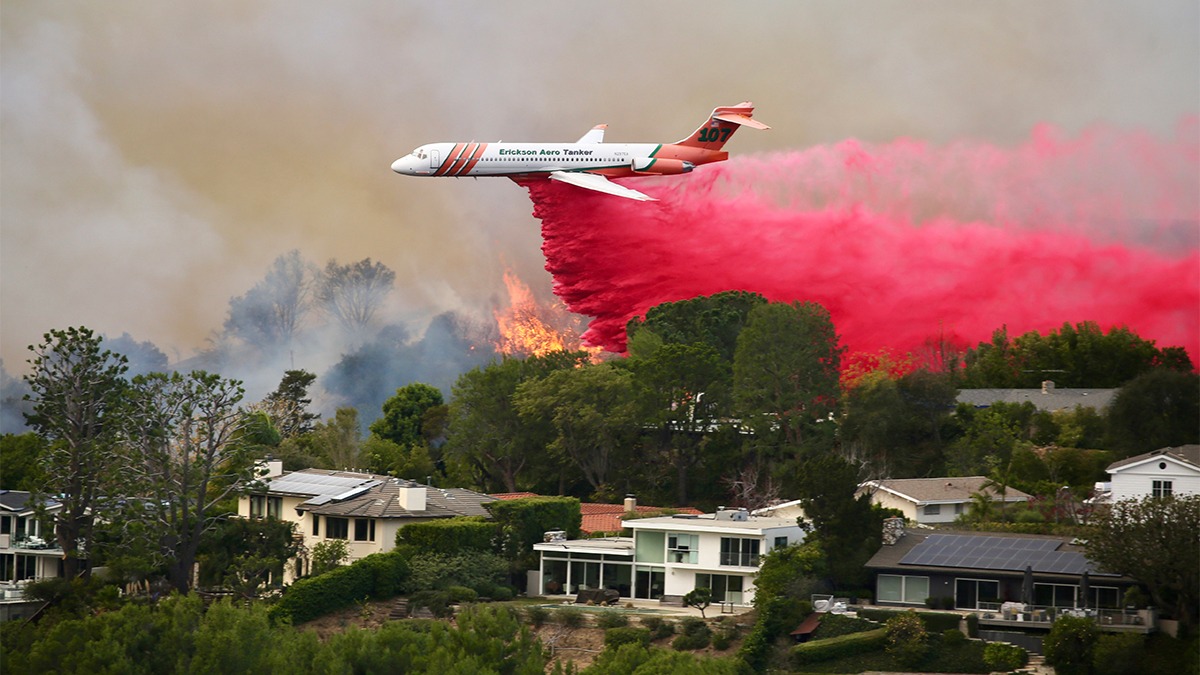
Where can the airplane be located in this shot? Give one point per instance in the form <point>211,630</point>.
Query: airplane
<point>587,163</point>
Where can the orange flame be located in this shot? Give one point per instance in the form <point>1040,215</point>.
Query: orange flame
<point>529,329</point>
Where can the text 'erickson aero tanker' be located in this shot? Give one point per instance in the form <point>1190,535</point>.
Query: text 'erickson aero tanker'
<point>587,163</point>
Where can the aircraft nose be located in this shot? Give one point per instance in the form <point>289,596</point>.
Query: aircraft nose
<point>401,165</point>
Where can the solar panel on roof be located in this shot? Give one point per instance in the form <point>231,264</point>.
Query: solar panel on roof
<point>996,553</point>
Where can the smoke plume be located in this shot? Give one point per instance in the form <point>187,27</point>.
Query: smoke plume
<point>902,241</point>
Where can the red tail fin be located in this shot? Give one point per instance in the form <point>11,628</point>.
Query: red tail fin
<point>721,124</point>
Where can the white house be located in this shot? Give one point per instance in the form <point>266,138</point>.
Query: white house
<point>1169,471</point>
<point>790,509</point>
<point>363,509</point>
<point>27,553</point>
<point>669,556</point>
<point>933,500</point>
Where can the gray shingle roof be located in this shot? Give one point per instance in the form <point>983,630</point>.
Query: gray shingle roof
<point>942,490</point>
<point>1055,399</point>
<point>372,496</point>
<point>1189,454</point>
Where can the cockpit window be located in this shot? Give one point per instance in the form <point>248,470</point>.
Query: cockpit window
<point>419,153</point>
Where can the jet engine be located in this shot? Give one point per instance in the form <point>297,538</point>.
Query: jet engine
<point>661,167</point>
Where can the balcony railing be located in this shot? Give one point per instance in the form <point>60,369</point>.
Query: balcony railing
<point>30,543</point>
<point>738,559</point>
<point>1026,614</point>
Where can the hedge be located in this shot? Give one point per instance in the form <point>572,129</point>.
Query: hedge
<point>376,576</point>
<point>839,647</point>
<point>524,522</point>
<point>935,622</point>
<point>450,535</point>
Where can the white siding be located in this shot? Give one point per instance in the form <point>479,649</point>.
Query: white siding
<point>1136,481</point>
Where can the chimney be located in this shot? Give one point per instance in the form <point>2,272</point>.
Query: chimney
<point>893,530</point>
<point>412,496</point>
<point>1048,386</point>
<point>630,503</point>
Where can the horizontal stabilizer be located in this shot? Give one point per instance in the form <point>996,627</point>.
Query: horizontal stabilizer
<point>596,135</point>
<point>594,181</point>
<point>740,119</point>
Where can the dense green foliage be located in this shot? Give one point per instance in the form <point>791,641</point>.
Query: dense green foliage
<point>524,522</point>
<point>1153,540</point>
<point>178,636</point>
<point>935,622</point>
<point>847,529</point>
<point>244,554</point>
<point>1070,645</point>
<point>693,634</point>
<point>449,535</point>
<point>1003,656</point>
<point>377,576</point>
<point>845,645</point>
<point>19,455</point>
<point>715,321</point>
<point>1156,410</point>
<point>623,635</point>
<point>471,568</point>
<point>634,659</point>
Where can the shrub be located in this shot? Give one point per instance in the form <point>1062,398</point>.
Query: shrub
<point>536,615</point>
<point>834,625</point>
<point>437,602</point>
<point>931,602</point>
<point>461,594</point>
<point>1070,645</point>
<point>1003,656</point>
<point>502,594</point>
<point>329,555</point>
<point>378,576</point>
<point>953,637</point>
<point>973,625</point>
<point>947,602</point>
<point>1118,653</point>
<point>569,617</point>
<point>469,568</point>
<point>838,647</point>
<point>624,635</point>
<point>659,627</point>
<point>934,621</point>
<point>721,641</point>
<point>1136,597</point>
<point>612,619</point>
<point>694,634</point>
<point>450,535</point>
<point>906,637</point>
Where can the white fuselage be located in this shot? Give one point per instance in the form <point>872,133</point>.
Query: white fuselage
<point>516,159</point>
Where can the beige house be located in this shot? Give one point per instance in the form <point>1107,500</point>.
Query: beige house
<point>365,510</point>
<point>933,500</point>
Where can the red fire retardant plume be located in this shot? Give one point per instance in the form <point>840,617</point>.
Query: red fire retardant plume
<point>903,241</point>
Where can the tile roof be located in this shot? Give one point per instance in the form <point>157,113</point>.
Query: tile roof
<point>1188,454</point>
<point>941,490</point>
<point>1054,399</point>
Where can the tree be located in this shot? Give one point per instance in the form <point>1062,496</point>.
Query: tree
<point>1070,644</point>
<point>78,406</point>
<point>1156,410</point>
<point>404,413</point>
<point>486,429</point>
<point>269,314</point>
<point>1153,540</point>
<point>848,529</point>
<point>591,409</point>
<point>680,391</point>
<point>906,638</point>
<point>243,554</point>
<point>337,440</point>
<point>715,321</point>
<point>188,452</point>
<point>289,404</point>
<point>351,294</point>
<point>20,457</point>
<point>328,555</point>
<point>700,598</point>
<point>785,369</point>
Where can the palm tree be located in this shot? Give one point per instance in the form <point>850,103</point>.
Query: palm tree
<point>998,482</point>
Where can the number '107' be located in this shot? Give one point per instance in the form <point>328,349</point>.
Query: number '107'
<point>707,135</point>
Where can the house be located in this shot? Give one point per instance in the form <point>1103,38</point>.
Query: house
<point>982,571</point>
<point>933,500</point>
<point>790,509</point>
<point>27,552</point>
<point>1169,471</point>
<point>668,556</point>
<point>365,510</point>
<point>603,519</point>
<point>1049,398</point>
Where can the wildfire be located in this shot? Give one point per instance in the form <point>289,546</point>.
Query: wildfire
<point>530,329</point>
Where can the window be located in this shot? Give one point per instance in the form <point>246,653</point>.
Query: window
<point>275,508</point>
<point>740,552</point>
<point>724,587</point>
<point>905,589</point>
<point>5,525</point>
<point>1055,595</point>
<point>258,505</point>
<point>683,548</point>
<point>336,528</point>
<point>649,546</point>
<point>933,509</point>
<point>1162,488</point>
<point>968,593</point>
<point>26,567</point>
<point>316,525</point>
<point>958,509</point>
<point>364,529</point>
<point>780,542</point>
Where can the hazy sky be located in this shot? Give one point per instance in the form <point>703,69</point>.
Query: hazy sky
<point>155,157</point>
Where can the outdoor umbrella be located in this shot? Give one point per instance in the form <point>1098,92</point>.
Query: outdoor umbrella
<point>1085,587</point>
<point>1027,586</point>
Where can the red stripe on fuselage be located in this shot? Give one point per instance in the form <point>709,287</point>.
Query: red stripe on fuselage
<point>474,159</point>
<point>462,159</point>
<point>450,159</point>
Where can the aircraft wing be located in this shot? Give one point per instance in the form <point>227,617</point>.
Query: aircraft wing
<point>596,135</point>
<point>597,182</point>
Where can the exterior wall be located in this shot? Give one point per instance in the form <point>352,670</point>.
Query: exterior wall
<point>1136,481</point>
<point>891,501</point>
<point>946,513</point>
